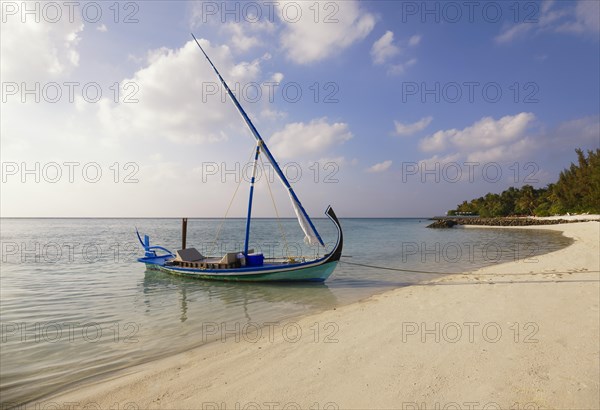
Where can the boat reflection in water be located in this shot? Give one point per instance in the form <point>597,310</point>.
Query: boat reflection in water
<point>200,302</point>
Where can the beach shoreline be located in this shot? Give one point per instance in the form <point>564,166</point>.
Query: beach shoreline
<point>522,332</point>
<point>509,221</point>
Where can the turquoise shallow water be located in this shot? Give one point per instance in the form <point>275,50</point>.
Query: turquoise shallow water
<point>75,304</point>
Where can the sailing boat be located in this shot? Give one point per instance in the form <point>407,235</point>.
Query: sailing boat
<point>247,265</point>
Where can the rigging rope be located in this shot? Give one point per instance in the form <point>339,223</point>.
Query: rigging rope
<point>262,167</point>
<point>461,273</point>
<point>231,202</point>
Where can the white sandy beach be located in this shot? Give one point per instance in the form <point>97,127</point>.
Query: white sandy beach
<point>484,340</point>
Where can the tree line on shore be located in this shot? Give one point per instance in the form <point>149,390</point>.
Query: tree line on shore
<point>576,191</point>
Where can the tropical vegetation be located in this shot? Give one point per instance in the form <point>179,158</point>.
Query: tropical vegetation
<point>576,191</point>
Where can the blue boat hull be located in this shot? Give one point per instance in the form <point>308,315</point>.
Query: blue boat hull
<point>315,271</point>
<point>291,273</point>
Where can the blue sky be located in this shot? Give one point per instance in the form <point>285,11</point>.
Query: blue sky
<point>406,108</point>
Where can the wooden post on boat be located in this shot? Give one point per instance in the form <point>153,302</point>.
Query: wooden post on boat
<point>183,232</point>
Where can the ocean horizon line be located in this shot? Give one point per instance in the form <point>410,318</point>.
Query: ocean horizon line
<point>207,217</point>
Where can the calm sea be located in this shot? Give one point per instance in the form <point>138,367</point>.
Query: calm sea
<point>75,304</point>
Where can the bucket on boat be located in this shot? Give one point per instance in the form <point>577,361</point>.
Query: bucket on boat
<point>255,259</point>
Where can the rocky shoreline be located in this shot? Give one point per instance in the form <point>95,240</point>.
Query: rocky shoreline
<point>449,222</point>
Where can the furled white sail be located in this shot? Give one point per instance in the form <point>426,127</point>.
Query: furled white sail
<point>310,234</point>
<point>311,237</point>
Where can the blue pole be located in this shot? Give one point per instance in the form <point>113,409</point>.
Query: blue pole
<point>250,200</point>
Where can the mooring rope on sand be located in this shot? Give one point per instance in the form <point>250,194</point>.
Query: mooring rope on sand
<point>463,273</point>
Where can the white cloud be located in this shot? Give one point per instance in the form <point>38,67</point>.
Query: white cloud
<point>384,48</point>
<point>39,51</point>
<point>42,53</point>
<point>440,159</point>
<point>245,36</point>
<point>580,132</point>
<point>586,20</point>
<point>241,30</point>
<point>586,127</point>
<point>380,167</point>
<point>437,141</point>
<point>277,78</point>
<point>102,28</point>
<point>504,152</point>
<point>307,32</point>
<point>398,69</point>
<point>317,136</point>
<point>403,129</point>
<point>487,139</point>
<point>135,58</point>
<point>175,98</point>
<point>309,40</point>
<point>414,40</point>
<point>488,132</point>
<point>547,20</point>
<point>511,33</point>
<point>271,114</point>
<point>508,140</point>
<point>241,40</point>
<point>485,133</point>
<point>583,18</point>
<point>436,162</point>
